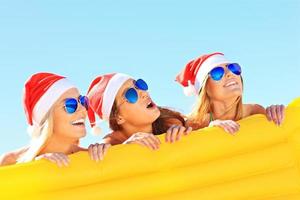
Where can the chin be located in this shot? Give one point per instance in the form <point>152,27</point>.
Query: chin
<point>79,133</point>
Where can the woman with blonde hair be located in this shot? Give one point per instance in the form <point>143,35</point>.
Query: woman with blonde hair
<point>56,114</point>
<point>219,86</point>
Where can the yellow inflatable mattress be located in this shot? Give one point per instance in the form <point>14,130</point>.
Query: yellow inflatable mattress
<point>260,162</point>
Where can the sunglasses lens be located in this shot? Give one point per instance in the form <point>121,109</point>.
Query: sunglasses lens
<point>131,95</point>
<point>141,84</point>
<point>217,73</point>
<point>84,101</point>
<point>71,105</point>
<point>235,68</point>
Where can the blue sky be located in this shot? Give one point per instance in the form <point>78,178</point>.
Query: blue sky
<point>150,39</point>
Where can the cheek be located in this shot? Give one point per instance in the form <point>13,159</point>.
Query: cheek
<point>61,122</point>
<point>137,114</point>
<point>214,89</point>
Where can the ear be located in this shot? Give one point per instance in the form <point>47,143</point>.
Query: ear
<point>120,120</point>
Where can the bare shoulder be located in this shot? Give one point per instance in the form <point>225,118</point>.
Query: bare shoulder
<point>252,109</point>
<point>11,157</point>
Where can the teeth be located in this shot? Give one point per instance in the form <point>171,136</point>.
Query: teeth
<point>230,83</point>
<point>78,121</point>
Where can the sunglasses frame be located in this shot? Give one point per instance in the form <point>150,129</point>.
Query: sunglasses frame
<point>139,84</point>
<point>223,72</point>
<point>83,100</point>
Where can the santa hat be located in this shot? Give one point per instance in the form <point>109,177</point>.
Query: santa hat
<point>102,93</point>
<point>193,75</point>
<point>41,91</point>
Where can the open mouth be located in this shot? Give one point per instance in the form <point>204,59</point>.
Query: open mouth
<point>79,122</point>
<point>151,105</point>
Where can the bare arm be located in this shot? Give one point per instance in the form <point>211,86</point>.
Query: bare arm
<point>11,158</point>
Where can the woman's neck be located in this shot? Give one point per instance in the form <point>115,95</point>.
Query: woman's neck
<point>61,144</point>
<point>128,129</point>
<point>225,110</point>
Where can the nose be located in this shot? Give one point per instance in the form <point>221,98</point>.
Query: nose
<point>81,110</point>
<point>228,73</point>
<point>143,94</point>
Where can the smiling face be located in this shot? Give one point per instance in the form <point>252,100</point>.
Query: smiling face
<point>141,113</point>
<point>230,86</point>
<point>67,125</point>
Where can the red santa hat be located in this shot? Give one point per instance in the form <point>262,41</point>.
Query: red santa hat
<point>41,91</point>
<point>102,93</point>
<point>193,75</point>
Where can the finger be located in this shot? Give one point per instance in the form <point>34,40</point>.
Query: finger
<point>282,108</point>
<point>169,134</point>
<point>278,114</point>
<point>180,133</point>
<point>90,150</point>
<point>274,115</point>
<point>57,160</point>
<point>151,142</point>
<point>235,126</point>
<point>269,114</point>
<point>188,130</point>
<point>95,152</point>
<point>175,131</point>
<point>227,127</point>
<point>146,143</point>
<point>64,159</point>
<point>105,148</point>
<point>100,151</point>
<point>47,157</point>
<point>155,140</point>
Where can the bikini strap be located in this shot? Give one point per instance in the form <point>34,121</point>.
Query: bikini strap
<point>211,117</point>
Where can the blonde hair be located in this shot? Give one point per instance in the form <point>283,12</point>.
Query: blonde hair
<point>203,107</point>
<point>39,137</point>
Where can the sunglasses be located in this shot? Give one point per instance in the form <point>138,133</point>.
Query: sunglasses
<point>71,104</point>
<point>218,72</point>
<point>131,94</point>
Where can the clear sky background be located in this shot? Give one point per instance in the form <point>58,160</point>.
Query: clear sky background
<point>150,39</point>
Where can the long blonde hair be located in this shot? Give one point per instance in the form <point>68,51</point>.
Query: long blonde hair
<point>39,137</point>
<point>203,107</point>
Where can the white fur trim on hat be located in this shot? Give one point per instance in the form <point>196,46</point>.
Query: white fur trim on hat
<point>111,90</point>
<point>206,67</point>
<point>190,90</point>
<point>44,104</point>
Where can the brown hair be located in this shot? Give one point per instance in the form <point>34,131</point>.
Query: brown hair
<point>203,107</point>
<point>159,126</point>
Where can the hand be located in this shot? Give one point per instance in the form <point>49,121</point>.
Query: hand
<point>58,158</point>
<point>275,113</point>
<point>97,151</point>
<point>175,132</point>
<point>228,125</point>
<point>145,139</point>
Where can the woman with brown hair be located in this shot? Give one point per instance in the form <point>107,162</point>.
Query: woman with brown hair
<point>131,113</point>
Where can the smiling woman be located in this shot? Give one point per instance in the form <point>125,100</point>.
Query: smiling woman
<point>56,114</point>
<point>219,86</point>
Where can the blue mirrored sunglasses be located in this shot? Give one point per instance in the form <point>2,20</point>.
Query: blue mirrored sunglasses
<point>131,94</point>
<point>71,104</point>
<point>218,72</point>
